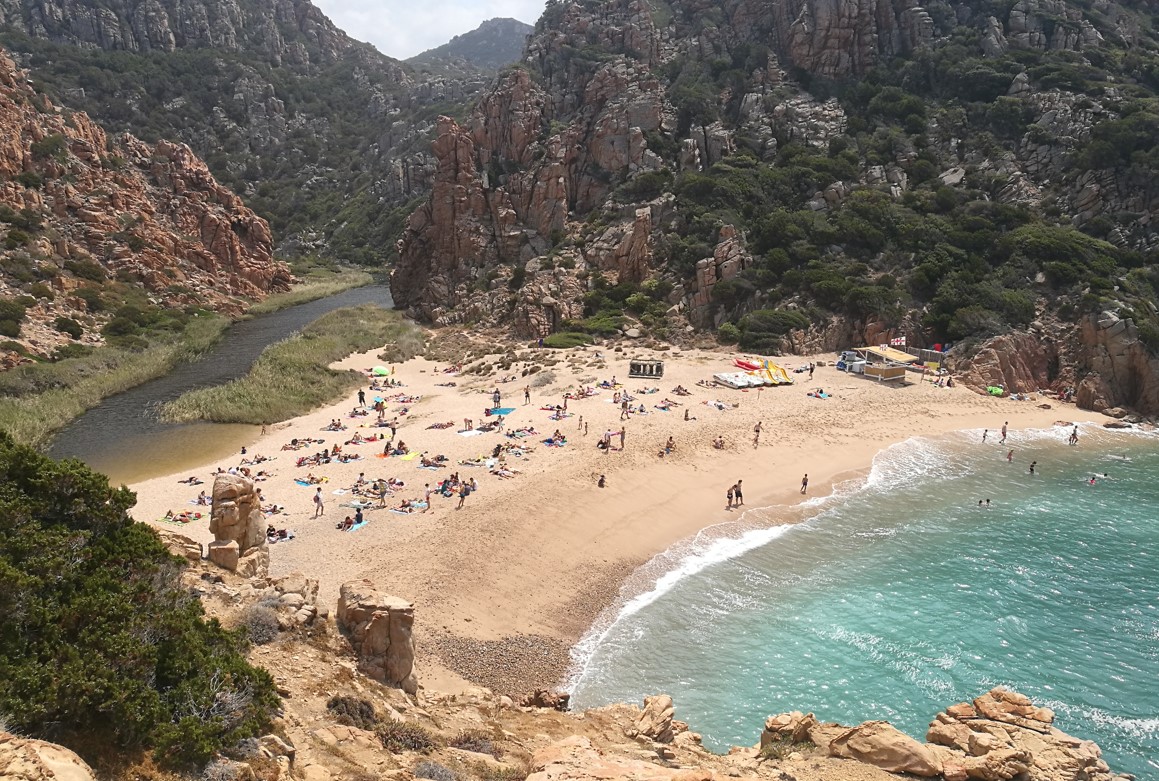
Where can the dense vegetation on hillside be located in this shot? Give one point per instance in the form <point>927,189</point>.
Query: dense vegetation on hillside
<point>100,645</point>
<point>494,44</point>
<point>968,255</point>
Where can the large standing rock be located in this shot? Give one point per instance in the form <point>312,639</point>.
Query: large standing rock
<point>238,527</point>
<point>655,722</point>
<point>791,727</point>
<point>22,759</point>
<point>1003,735</point>
<point>380,629</point>
<point>882,745</point>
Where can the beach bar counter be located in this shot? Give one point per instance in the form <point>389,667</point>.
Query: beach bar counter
<point>884,363</point>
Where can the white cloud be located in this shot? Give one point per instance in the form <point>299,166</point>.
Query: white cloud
<point>403,28</point>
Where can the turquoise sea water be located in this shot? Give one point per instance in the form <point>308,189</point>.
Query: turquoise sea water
<point>897,596</point>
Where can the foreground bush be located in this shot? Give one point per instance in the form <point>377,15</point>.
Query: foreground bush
<point>99,640</point>
<point>399,736</point>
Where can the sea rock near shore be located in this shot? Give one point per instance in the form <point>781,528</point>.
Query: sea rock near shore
<point>882,745</point>
<point>380,629</point>
<point>23,759</point>
<point>238,527</point>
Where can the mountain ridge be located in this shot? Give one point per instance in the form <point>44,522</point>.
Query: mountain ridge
<point>494,44</point>
<point>806,175</point>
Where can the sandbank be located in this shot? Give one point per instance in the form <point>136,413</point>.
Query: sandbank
<point>505,586</point>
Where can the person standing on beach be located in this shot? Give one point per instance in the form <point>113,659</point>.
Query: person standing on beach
<point>496,397</point>
<point>805,483</point>
<point>729,495</point>
<point>361,397</point>
<point>739,495</point>
<point>1074,436</point>
<point>464,489</point>
<point>427,491</point>
<point>624,410</point>
<point>810,370</point>
<point>319,503</point>
<point>757,434</point>
<point>623,433</point>
<point>1003,440</point>
<point>526,395</point>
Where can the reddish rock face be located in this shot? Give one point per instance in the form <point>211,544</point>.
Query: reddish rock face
<point>146,214</point>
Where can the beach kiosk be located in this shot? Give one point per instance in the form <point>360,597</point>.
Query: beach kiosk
<point>646,370</point>
<point>884,363</point>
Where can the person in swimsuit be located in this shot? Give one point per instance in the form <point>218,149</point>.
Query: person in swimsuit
<point>729,495</point>
<point>738,494</point>
<point>804,483</point>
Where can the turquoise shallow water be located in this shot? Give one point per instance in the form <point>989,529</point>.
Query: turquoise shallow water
<point>898,596</point>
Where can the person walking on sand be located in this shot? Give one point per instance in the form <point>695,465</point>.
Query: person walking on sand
<point>805,483</point>
<point>623,433</point>
<point>737,491</point>
<point>361,397</point>
<point>585,429</point>
<point>319,503</point>
<point>526,395</point>
<point>729,495</point>
<point>1003,440</point>
<point>624,410</point>
<point>757,434</point>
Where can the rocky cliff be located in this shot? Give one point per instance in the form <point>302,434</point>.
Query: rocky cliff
<point>78,208</point>
<point>937,170</point>
<point>321,133</point>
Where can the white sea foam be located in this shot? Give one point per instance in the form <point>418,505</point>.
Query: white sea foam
<point>892,467</point>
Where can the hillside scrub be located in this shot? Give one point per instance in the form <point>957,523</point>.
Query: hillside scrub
<point>292,377</point>
<point>101,646</point>
<point>39,399</point>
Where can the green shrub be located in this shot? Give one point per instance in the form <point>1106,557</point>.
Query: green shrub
<point>12,309</point>
<point>398,736</point>
<point>101,642</point>
<point>566,339</point>
<point>71,350</point>
<point>120,326</point>
<point>41,290</point>
<point>9,328</point>
<point>728,333</point>
<point>86,269</point>
<point>66,325</point>
<point>16,238</point>
<point>92,298</point>
<point>353,711</point>
<point>31,180</point>
<point>53,145</point>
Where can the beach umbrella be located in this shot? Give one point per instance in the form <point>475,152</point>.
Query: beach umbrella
<point>380,371</point>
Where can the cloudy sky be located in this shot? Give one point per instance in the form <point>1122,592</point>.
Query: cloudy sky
<point>403,28</point>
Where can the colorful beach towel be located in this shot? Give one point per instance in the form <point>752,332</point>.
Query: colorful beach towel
<point>502,410</point>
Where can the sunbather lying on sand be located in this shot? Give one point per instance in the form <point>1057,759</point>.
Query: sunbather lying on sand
<point>191,481</point>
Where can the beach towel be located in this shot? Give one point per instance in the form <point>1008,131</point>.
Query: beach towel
<point>340,491</point>
<point>432,468</point>
<point>412,455</point>
<point>357,526</point>
<point>471,433</point>
<point>175,522</point>
<point>304,483</point>
<point>553,443</point>
<point>357,504</point>
<point>502,410</point>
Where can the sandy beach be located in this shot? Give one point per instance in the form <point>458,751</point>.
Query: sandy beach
<point>506,585</point>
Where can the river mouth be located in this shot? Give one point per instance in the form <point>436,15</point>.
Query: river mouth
<point>124,436</point>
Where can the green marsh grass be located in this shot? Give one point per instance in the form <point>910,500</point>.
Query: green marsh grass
<point>318,284</point>
<point>292,377</point>
<point>37,400</point>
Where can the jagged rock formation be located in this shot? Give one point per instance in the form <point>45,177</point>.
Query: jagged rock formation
<point>279,101</point>
<point>494,44</point>
<point>1000,735</point>
<point>238,528</point>
<point>78,204</point>
<point>661,151</point>
<point>380,630</point>
<point>1101,357</point>
<point>24,759</point>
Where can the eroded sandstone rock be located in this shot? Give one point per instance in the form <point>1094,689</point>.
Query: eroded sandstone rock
<point>380,629</point>
<point>882,745</point>
<point>24,759</point>
<point>238,527</point>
